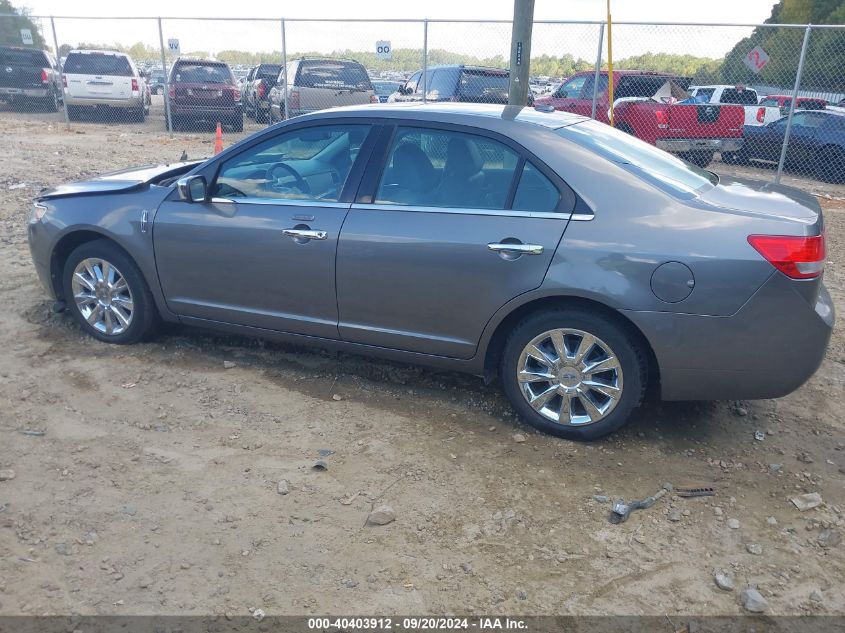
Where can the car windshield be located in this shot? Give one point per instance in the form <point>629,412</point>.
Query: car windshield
<point>660,168</point>
<point>268,71</point>
<point>23,57</point>
<point>203,73</point>
<point>97,64</point>
<point>331,73</point>
<point>739,96</point>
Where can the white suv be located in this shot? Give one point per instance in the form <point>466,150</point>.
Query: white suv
<point>102,80</point>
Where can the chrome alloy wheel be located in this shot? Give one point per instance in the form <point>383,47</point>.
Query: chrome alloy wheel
<point>570,377</point>
<point>102,296</point>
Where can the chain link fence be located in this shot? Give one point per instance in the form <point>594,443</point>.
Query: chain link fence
<point>763,101</point>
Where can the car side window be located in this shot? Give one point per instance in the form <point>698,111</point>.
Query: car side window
<point>535,191</point>
<point>590,84</point>
<point>306,164</point>
<point>442,168</point>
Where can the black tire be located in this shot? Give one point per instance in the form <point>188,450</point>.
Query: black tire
<point>830,165</point>
<point>623,342</point>
<point>238,124</point>
<point>51,103</point>
<point>144,314</point>
<point>739,157</point>
<point>700,158</point>
<point>139,115</point>
<point>260,115</point>
<point>73,113</point>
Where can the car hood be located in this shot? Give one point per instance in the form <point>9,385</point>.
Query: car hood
<point>124,179</point>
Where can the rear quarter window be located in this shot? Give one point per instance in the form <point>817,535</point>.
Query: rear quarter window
<point>483,86</point>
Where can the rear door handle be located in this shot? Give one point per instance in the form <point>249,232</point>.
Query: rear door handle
<point>516,249</point>
<point>305,234</point>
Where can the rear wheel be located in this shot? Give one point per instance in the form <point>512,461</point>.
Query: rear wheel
<point>139,114</point>
<point>73,112</point>
<point>739,157</point>
<point>51,103</point>
<point>830,165</point>
<point>107,294</point>
<point>698,157</point>
<point>574,373</point>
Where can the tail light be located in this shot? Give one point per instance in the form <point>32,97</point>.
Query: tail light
<point>44,76</point>
<point>662,119</point>
<point>761,115</point>
<point>373,98</point>
<point>171,91</point>
<point>293,100</point>
<point>134,84</point>
<point>262,90</point>
<point>794,256</point>
<point>236,94</point>
<point>64,81</point>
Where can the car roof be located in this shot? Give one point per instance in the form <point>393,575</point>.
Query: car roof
<point>96,51</point>
<point>469,67</point>
<point>478,114</point>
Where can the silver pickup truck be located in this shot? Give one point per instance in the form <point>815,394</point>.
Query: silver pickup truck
<point>755,114</point>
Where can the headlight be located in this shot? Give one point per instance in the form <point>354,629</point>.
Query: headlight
<point>38,211</point>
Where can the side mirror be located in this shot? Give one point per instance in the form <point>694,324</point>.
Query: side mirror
<point>192,188</point>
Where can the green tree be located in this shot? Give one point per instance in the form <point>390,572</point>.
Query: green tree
<point>824,67</point>
<point>10,27</point>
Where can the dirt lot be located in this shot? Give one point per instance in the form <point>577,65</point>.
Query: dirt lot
<point>153,488</point>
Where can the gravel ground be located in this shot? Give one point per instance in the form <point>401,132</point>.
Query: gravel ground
<point>151,483</point>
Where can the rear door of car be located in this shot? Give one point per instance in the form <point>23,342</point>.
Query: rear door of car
<point>99,75</point>
<point>328,83</point>
<point>450,224</point>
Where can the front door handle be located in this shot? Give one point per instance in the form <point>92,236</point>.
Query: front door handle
<point>305,234</point>
<point>516,249</point>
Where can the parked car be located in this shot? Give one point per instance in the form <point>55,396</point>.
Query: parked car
<point>816,143</point>
<point>255,91</point>
<point>467,84</point>
<point>156,82</point>
<point>478,238</point>
<point>646,105</point>
<point>100,80</point>
<point>755,113</point>
<point>29,76</point>
<point>384,89</point>
<point>317,83</point>
<point>204,90</point>
<point>782,103</point>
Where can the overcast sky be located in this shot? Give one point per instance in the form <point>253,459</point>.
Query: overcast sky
<point>481,40</point>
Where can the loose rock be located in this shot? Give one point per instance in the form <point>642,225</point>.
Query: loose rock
<point>283,487</point>
<point>733,524</point>
<point>382,515</point>
<point>519,438</point>
<point>807,501</point>
<point>829,538</point>
<point>337,398</point>
<point>227,364</point>
<point>674,515</point>
<point>724,581</point>
<point>61,549</point>
<point>754,548</point>
<point>7,474</point>
<point>772,521</point>
<point>258,614</point>
<point>752,600</point>
<point>816,596</point>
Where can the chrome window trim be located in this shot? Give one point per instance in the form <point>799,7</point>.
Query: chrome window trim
<point>545,215</point>
<point>284,202</point>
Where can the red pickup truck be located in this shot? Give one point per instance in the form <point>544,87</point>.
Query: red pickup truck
<point>646,105</point>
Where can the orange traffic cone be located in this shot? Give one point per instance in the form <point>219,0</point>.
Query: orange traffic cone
<point>218,139</point>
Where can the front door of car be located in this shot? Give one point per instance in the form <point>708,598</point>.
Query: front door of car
<point>802,138</point>
<point>766,142</point>
<point>450,225</point>
<point>260,251</point>
<point>568,96</point>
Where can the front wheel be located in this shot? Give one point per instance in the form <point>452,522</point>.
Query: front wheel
<point>238,124</point>
<point>830,165</point>
<point>574,373</point>
<point>107,294</point>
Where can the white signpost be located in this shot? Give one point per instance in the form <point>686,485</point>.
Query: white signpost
<point>756,59</point>
<point>173,45</point>
<point>26,37</point>
<point>383,50</point>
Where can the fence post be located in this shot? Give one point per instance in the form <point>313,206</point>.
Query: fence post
<point>598,68</point>
<point>285,70</point>
<point>425,60</point>
<point>792,103</point>
<point>167,114</point>
<point>61,70</point>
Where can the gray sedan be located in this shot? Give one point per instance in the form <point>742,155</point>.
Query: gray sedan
<point>574,262</point>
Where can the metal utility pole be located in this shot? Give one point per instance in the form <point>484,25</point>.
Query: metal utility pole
<point>523,22</point>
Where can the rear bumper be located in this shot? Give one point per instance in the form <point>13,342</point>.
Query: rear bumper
<point>32,93</point>
<point>679,145</point>
<point>205,112</point>
<point>122,104</point>
<point>769,348</point>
